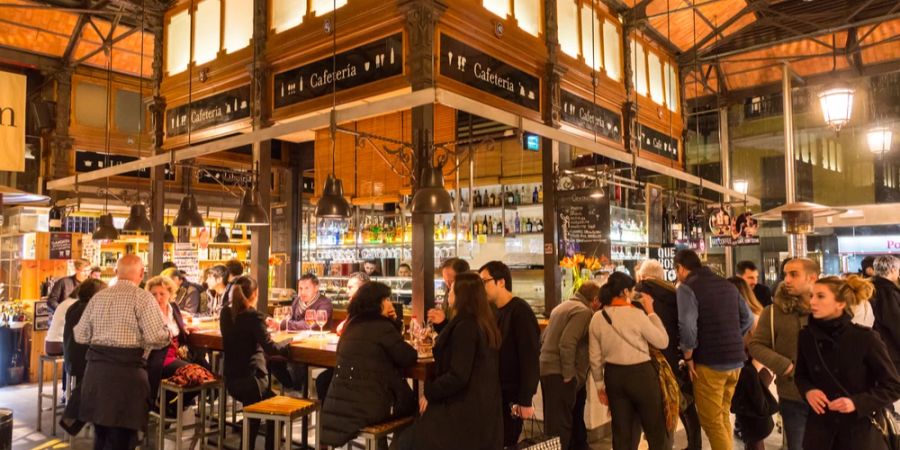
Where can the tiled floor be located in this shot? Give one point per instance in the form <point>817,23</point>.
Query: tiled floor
<point>22,400</point>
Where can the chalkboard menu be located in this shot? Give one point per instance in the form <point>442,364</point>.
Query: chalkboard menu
<point>209,112</point>
<point>365,64</point>
<point>583,223</point>
<point>61,246</point>
<point>488,74</point>
<point>280,230</point>
<point>590,117</point>
<point>658,143</point>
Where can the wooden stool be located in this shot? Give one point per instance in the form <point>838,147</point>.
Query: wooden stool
<point>283,411</point>
<point>56,408</point>
<point>210,391</point>
<point>375,432</point>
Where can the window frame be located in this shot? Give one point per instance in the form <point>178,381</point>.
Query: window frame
<point>308,15</point>
<point>192,13</point>
<point>511,16</point>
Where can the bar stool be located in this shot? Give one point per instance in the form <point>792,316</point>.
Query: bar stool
<point>210,392</point>
<point>283,411</point>
<point>373,433</point>
<point>56,408</point>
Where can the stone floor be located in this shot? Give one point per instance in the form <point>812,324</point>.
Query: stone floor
<point>22,399</point>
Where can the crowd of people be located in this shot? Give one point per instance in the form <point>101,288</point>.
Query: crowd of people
<point>830,344</point>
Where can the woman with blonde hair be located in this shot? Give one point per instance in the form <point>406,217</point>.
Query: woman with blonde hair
<point>163,363</point>
<point>843,370</point>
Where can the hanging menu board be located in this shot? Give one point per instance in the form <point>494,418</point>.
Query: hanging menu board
<point>61,246</point>
<point>488,74</point>
<point>583,224</point>
<point>365,64</point>
<point>280,230</point>
<point>187,259</point>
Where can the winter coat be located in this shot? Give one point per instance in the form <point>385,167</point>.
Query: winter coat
<point>464,402</point>
<point>665,305</point>
<point>853,363</point>
<point>886,306</point>
<point>367,387</point>
<point>791,314</point>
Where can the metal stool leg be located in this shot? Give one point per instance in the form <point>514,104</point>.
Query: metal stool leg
<point>200,429</point>
<point>245,434</point>
<point>161,426</point>
<point>221,430</point>
<point>40,408</point>
<point>55,406</point>
<point>318,426</point>
<point>179,428</point>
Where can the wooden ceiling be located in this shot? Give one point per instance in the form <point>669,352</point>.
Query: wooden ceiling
<point>77,35</point>
<point>726,46</point>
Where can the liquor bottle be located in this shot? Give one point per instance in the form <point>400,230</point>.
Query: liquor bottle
<point>477,199</point>
<point>529,227</point>
<point>534,195</point>
<point>510,197</point>
<point>499,227</point>
<point>541,194</point>
<point>490,225</point>
<point>517,198</point>
<point>518,224</point>
<point>484,226</point>
<point>492,200</point>
<point>540,225</point>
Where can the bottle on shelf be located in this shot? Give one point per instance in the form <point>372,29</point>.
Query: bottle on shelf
<point>534,195</point>
<point>517,224</point>
<point>493,200</point>
<point>529,227</point>
<point>477,199</point>
<point>540,194</point>
<point>484,226</point>
<point>510,197</point>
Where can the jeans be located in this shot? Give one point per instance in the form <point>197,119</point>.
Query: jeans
<point>713,391</point>
<point>793,416</point>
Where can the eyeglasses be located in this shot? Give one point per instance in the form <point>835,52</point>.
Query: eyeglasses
<point>486,280</point>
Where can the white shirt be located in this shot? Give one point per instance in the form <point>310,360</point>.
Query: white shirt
<point>58,321</point>
<point>864,315</point>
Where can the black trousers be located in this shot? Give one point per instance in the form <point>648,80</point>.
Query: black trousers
<point>114,438</point>
<point>633,393</point>
<point>323,382</point>
<point>579,429</point>
<point>559,404</point>
<point>512,426</point>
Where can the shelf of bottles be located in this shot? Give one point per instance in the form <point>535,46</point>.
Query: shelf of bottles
<point>628,234</point>
<point>503,210</point>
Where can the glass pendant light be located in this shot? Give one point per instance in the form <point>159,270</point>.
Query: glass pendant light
<point>741,186</point>
<point>880,139</point>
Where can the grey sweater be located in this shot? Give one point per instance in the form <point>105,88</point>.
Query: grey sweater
<point>564,348</point>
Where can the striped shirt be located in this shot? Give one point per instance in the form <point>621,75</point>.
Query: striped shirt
<point>123,316</point>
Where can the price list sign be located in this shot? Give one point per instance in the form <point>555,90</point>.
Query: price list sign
<point>187,259</point>
<point>583,223</point>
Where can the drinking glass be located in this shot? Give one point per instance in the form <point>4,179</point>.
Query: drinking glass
<point>321,319</point>
<point>310,318</point>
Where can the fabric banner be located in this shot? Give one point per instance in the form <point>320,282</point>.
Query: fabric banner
<point>12,122</point>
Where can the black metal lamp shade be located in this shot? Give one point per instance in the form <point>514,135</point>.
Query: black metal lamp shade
<point>332,204</point>
<point>188,215</point>
<point>251,212</point>
<point>432,197</point>
<point>106,230</point>
<point>168,236</point>
<point>138,220</point>
<point>222,236</point>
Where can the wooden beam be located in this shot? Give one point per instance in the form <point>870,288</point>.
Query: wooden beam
<point>752,5</point>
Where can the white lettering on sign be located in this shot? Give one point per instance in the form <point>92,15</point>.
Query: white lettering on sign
<point>493,78</point>
<point>326,77</point>
<point>667,260</point>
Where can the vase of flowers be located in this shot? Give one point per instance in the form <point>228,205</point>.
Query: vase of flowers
<point>576,270</point>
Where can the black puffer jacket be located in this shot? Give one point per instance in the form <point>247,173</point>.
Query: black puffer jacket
<point>367,387</point>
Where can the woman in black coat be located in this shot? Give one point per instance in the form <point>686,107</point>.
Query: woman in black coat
<point>461,408</point>
<point>246,343</point>
<point>75,354</point>
<point>843,370</point>
<point>368,387</point>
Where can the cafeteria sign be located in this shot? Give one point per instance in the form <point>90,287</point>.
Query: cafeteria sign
<point>208,112</point>
<point>12,122</point>
<point>488,74</point>
<point>658,143</point>
<point>358,66</point>
<point>590,117</point>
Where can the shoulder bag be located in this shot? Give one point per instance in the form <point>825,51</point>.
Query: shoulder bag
<point>882,420</point>
<point>671,393</point>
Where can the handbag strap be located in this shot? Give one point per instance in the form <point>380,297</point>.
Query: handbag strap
<point>772,323</point>
<point>825,366</point>
<point>621,336</point>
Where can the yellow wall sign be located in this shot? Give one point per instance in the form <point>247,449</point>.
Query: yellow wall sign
<point>12,122</point>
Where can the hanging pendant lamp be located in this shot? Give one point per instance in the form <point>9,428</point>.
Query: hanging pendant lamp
<point>333,204</point>
<point>106,230</point>
<point>188,215</point>
<point>138,220</point>
<point>168,236</point>
<point>222,236</point>
<point>251,212</point>
<point>431,196</point>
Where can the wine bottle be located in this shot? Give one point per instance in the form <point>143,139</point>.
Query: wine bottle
<point>534,195</point>
<point>518,224</point>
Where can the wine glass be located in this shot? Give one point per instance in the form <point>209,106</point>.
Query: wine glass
<point>310,318</point>
<point>321,319</point>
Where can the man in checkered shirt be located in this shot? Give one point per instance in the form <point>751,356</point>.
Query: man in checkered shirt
<point>120,324</point>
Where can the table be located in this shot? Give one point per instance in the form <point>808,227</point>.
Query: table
<point>313,351</point>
